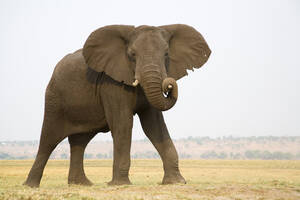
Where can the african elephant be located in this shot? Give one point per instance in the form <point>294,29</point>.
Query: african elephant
<point>121,71</point>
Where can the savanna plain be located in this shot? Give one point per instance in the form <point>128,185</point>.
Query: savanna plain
<point>206,179</point>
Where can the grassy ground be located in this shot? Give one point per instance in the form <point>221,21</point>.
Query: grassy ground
<point>206,179</point>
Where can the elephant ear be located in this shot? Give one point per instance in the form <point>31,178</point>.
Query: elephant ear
<point>105,50</point>
<point>187,49</point>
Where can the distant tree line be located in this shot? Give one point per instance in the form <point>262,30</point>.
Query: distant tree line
<point>257,139</point>
<point>228,147</point>
<point>6,156</point>
<point>250,155</point>
<point>266,155</point>
<point>199,140</point>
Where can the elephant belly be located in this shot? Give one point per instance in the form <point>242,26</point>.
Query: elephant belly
<point>83,110</point>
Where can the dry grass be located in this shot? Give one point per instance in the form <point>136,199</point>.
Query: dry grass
<point>206,179</point>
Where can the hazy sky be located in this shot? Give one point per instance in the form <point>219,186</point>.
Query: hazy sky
<point>249,87</point>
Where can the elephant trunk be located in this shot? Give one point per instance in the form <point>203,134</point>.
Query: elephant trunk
<point>154,87</point>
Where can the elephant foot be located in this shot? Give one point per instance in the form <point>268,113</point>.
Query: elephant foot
<point>80,181</point>
<point>173,179</point>
<point>32,184</point>
<point>120,182</point>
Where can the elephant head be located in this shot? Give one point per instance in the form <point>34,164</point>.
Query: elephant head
<point>154,57</point>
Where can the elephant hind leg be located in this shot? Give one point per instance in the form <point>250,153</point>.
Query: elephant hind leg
<point>78,143</point>
<point>51,136</point>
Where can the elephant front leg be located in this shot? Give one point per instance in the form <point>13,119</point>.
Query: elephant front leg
<point>155,129</point>
<point>120,121</point>
<point>121,133</point>
<point>121,163</point>
<point>118,106</point>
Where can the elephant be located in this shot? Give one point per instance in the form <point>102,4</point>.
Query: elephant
<point>121,71</point>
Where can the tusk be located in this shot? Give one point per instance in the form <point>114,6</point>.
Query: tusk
<point>170,86</point>
<point>135,83</point>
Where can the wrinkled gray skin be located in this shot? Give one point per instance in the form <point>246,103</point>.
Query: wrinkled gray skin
<point>91,91</point>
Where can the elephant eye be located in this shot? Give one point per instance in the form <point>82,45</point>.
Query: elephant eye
<point>131,56</point>
<point>166,54</point>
